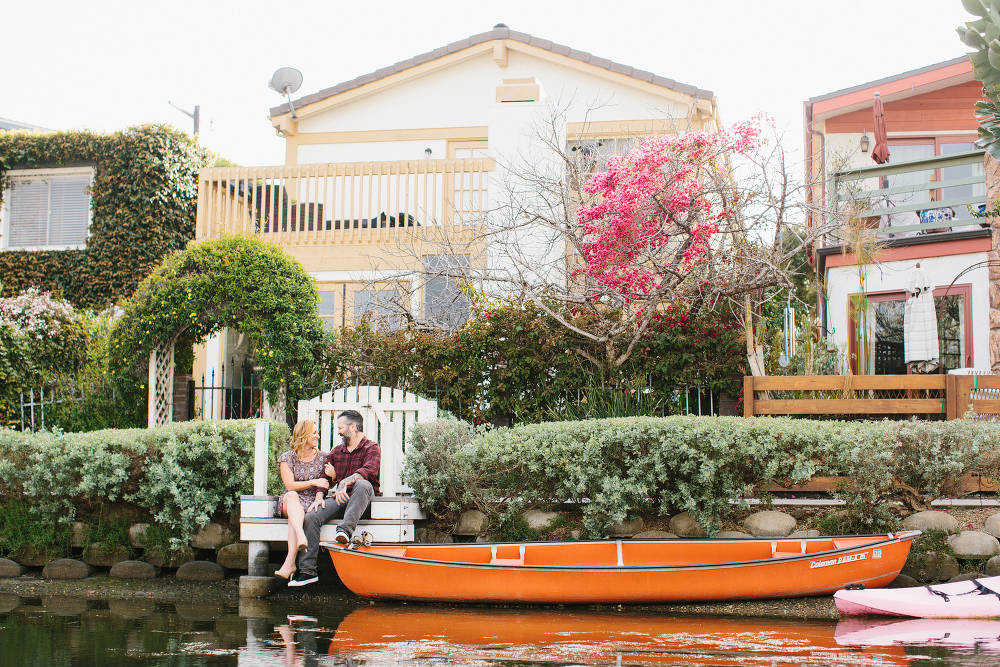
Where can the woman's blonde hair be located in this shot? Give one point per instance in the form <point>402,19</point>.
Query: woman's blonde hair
<point>300,435</point>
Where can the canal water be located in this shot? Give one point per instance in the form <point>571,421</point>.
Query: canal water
<point>56,632</point>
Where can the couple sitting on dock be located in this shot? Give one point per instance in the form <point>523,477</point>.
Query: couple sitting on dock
<point>321,487</point>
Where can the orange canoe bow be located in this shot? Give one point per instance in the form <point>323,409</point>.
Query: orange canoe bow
<point>620,571</point>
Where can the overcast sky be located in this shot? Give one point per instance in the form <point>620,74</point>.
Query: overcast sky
<point>105,65</point>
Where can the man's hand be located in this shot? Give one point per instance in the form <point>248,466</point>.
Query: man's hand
<point>321,483</point>
<point>341,495</point>
<point>320,502</point>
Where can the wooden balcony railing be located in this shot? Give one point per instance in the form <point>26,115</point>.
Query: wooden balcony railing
<point>337,202</point>
<point>947,396</point>
<point>954,181</point>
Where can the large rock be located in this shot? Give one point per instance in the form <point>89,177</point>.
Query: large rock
<point>235,556</point>
<point>137,535</point>
<point>200,570</point>
<point>100,555</point>
<point>965,576</point>
<point>992,567</point>
<point>472,522</point>
<point>770,524</point>
<point>732,535</point>
<point>973,544</point>
<point>430,536</point>
<point>212,536</point>
<point>626,528</point>
<point>931,566</point>
<point>539,519</point>
<point>133,569</point>
<point>173,559</point>
<point>903,581</point>
<point>685,525</point>
<point>9,569</point>
<point>652,535</point>
<point>67,568</point>
<point>31,557</point>
<point>931,519</point>
<point>992,525</point>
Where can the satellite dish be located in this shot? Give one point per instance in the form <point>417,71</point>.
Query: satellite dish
<point>286,81</point>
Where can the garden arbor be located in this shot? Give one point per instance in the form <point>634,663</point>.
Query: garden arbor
<point>231,282</point>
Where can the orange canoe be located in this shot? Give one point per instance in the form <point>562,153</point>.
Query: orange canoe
<point>620,571</point>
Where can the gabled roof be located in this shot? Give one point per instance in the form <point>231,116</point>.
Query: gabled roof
<point>7,124</point>
<point>500,32</point>
<point>899,86</point>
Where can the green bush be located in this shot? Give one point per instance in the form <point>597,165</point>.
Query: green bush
<point>180,475</point>
<point>706,465</point>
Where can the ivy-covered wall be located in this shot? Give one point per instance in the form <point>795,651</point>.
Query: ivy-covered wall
<point>143,202</point>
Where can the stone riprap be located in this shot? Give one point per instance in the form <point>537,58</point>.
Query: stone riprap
<point>539,519</point>
<point>626,528</point>
<point>685,525</point>
<point>174,559</point>
<point>654,535</point>
<point>973,544</point>
<point>931,566</point>
<point>67,568</point>
<point>805,533</point>
<point>133,569</point>
<point>471,522</point>
<point>10,569</point>
<point>770,524</point>
<point>733,535</point>
<point>100,555</point>
<point>200,570</point>
<point>931,519</point>
<point>992,525</point>
<point>234,556</point>
<point>212,536</point>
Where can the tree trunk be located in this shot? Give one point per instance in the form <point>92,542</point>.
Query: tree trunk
<point>992,166</point>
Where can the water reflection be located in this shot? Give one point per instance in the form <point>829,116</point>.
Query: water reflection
<point>74,632</point>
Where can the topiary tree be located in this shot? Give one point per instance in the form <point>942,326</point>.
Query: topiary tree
<point>237,282</point>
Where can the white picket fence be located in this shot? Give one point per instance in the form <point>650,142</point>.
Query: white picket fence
<point>389,414</point>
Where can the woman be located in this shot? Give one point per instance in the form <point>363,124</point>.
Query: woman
<point>302,472</point>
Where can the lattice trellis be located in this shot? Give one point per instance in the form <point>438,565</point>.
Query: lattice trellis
<point>274,410</point>
<point>161,385</point>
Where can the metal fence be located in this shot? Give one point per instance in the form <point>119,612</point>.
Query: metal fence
<point>242,399</point>
<point>32,405</point>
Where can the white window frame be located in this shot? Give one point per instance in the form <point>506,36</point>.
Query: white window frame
<point>43,173</point>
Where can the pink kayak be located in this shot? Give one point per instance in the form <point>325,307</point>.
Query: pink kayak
<point>977,598</point>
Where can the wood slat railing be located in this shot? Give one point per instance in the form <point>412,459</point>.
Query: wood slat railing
<point>341,202</point>
<point>951,396</point>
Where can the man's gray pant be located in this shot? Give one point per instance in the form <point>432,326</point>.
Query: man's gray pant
<point>359,500</point>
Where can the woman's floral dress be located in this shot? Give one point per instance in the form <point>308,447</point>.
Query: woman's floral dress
<point>302,471</point>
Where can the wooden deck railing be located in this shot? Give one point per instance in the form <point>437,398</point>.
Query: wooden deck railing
<point>951,396</point>
<point>340,202</point>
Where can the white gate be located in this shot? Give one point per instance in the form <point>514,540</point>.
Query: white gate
<point>389,415</point>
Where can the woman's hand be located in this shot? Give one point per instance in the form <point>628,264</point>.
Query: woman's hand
<point>316,504</point>
<point>329,471</point>
<point>321,483</point>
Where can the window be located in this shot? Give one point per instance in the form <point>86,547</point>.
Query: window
<point>470,189</point>
<point>904,150</point>
<point>327,308</point>
<point>591,155</point>
<point>46,209</point>
<point>445,305</point>
<point>885,322</point>
<point>382,306</point>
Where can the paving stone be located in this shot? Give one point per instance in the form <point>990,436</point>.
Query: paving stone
<point>235,556</point>
<point>650,535</point>
<point>174,559</point>
<point>931,566</point>
<point>9,569</point>
<point>100,556</point>
<point>67,568</point>
<point>973,544</point>
<point>212,536</point>
<point>732,535</point>
<point>133,569</point>
<point>539,519</point>
<point>992,567</point>
<point>137,535</point>
<point>812,532</point>
<point>770,524</point>
<point>931,519</point>
<point>429,536</point>
<point>625,528</point>
<point>200,570</point>
<point>992,525</point>
<point>471,522</point>
<point>9,602</point>
<point>903,581</point>
<point>685,525</point>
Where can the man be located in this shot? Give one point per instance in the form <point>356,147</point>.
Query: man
<point>353,468</point>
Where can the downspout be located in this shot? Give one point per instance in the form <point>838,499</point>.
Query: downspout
<point>820,301</point>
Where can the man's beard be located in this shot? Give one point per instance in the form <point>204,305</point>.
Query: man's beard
<point>346,439</point>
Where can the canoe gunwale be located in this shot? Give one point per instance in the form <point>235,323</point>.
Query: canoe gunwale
<point>893,538</point>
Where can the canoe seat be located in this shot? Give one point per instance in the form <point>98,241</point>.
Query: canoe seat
<point>784,554</point>
<point>507,561</point>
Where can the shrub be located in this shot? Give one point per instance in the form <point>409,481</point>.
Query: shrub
<point>180,474</point>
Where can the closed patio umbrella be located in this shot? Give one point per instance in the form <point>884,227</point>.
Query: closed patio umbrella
<point>920,334</point>
<point>881,152</point>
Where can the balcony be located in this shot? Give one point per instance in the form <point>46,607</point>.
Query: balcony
<point>890,198</point>
<point>338,203</point>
